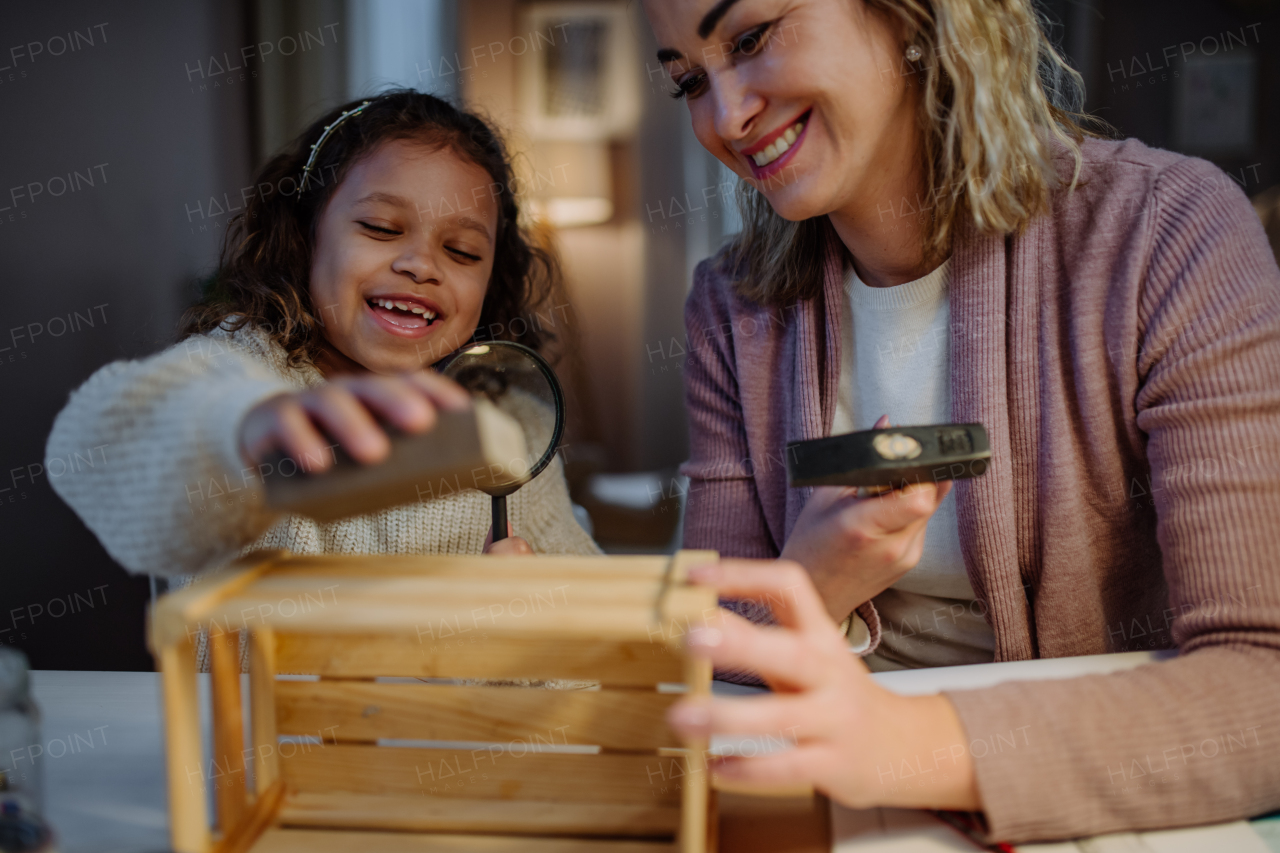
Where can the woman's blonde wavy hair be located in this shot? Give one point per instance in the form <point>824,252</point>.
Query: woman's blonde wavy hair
<point>990,119</point>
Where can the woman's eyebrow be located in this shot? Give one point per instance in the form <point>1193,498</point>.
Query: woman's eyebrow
<point>708,23</point>
<point>713,17</point>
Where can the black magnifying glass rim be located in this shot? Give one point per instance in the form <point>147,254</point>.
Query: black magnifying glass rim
<point>547,373</point>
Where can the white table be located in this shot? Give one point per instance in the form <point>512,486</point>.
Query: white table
<point>110,797</point>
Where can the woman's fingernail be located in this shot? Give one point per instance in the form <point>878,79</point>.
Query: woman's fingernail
<point>706,638</point>
<point>686,716</point>
<point>704,573</point>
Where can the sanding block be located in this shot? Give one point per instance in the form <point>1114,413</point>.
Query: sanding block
<point>476,449</point>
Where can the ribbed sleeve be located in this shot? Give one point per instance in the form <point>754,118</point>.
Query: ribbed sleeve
<point>1192,740</point>
<point>722,510</point>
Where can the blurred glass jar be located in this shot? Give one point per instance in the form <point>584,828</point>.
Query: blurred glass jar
<point>21,783</point>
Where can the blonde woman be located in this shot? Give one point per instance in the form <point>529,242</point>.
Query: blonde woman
<point>931,236</point>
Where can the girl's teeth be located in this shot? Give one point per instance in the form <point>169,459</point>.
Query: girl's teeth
<point>411,307</point>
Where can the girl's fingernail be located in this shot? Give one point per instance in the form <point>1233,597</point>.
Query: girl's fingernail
<point>706,638</point>
<point>690,716</point>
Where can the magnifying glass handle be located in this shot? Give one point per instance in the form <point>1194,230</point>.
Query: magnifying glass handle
<point>499,518</point>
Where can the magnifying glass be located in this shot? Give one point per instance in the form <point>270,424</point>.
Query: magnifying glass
<point>519,382</point>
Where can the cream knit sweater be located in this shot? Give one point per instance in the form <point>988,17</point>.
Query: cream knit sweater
<point>174,497</point>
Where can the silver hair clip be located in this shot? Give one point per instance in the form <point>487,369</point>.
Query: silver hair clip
<point>315,149</point>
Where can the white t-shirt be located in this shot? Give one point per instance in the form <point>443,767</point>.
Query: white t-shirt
<point>895,360</point>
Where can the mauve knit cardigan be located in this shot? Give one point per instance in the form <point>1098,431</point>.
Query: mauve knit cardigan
<point>1124,355</point>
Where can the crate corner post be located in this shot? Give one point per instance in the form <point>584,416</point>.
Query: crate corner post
<point>188,812</point>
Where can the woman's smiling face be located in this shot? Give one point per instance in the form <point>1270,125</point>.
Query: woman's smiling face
<point>802,97</point>
<point>404,250</point>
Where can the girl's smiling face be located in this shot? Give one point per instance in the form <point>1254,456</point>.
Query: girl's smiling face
<point>804,98</point>
<point>404,250</point>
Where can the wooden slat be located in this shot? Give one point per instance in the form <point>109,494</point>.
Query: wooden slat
<point>471,581</point>
<point>553,595</point>
<point>557,590</point>
<point>188,815</point>
<point>472,447</point>
<point>364,711</point>
<point>497,772</point>
<point>262,708</point>
<point>618,619</point>
<point>470,565</point>
<point>471,655</point>
<point>230,794</point>
<point>559,604</point>
<point>254,822</point>
<point>339,841</point>
<point>453,814</point>
<point>176,615</point>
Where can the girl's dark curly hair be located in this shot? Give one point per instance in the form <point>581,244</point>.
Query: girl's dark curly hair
<point>265,265</point>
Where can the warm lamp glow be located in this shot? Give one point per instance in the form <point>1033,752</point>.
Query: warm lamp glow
<point>571,184</point>
<point>572,212</point>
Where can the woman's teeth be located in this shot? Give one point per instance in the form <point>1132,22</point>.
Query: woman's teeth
<point>779,146</point>
<point>411,307</point>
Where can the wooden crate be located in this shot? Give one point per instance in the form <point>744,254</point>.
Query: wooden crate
<point>359,736</point>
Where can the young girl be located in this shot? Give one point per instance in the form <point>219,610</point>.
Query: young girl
<point>380,240</point>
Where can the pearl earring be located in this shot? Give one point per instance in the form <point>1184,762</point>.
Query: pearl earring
<point>914,53</point>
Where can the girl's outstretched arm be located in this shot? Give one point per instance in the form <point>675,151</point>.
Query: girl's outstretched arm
<point>170,493</point>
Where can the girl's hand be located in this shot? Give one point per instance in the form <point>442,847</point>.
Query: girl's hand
<point>855,548</point>
<point>855,740</point>
<point>512,546</point>
<point>345,408</point>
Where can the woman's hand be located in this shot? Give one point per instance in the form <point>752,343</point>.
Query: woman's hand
<point>856,548</point>
<point>345,408</point>
<point>855,741</point>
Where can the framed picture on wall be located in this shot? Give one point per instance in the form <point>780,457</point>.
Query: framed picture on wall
<point>578,75</point>
<point>1214,110</point>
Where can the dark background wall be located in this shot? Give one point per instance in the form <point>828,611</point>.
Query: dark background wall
<point>123,254</point>
<point>163,139</point>
<point>1122,47</point>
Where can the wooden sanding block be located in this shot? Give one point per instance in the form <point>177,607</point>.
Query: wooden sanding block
<point>477,449</point>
